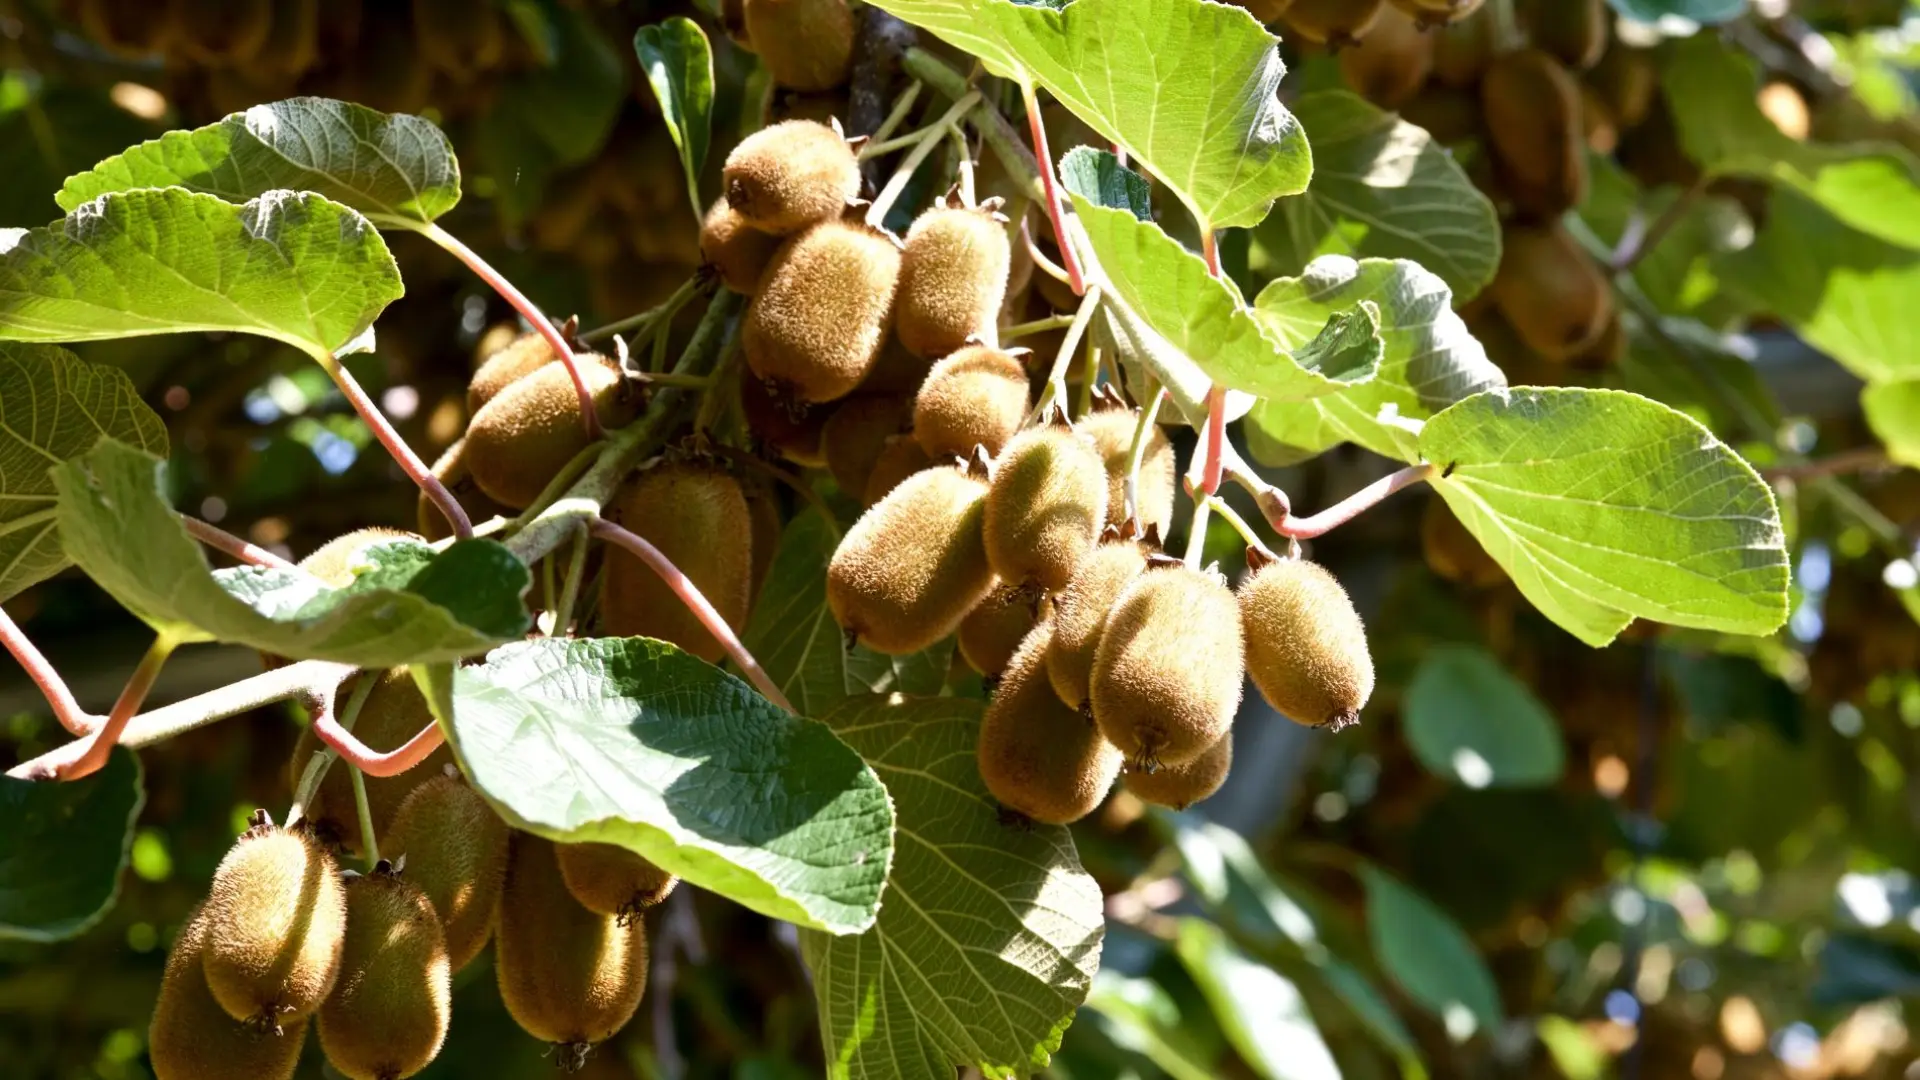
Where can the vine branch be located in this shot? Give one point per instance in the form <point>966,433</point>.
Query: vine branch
<point>83,756</point>
<point>1273,502</point>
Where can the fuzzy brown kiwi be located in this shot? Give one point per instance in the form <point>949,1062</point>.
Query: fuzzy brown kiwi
<point>737,251</point>
<point>1532,109</point>
<point>1552,293</point>
<point>793,174</point>
<point>991,633</point>
<point>1451,116</point>
<point>527,354</point>
<point>855,437</point>
<point>914,564</point>
<point>394,712</point>
<point>221,33</point>
<point>450,468</point>
<point>1452,552</point>
<point>1332,22</point>
<point>976,397</point>
<point>790,428</point>
<point>822,312</point>
<point>1306,647</point>
<point>1046,506</point>
<point>567,975</point>
<point>530,430</point>
<point>805,44</point>
<point>1038,756</point>
<point>276,916</point>
<point>455,848</point>
<point>953,278</point>
<point>1080,614</point>
<point>900,457</point>
<point>1180,786</point>
<point>1574,31</point>
<point>1112,433</point>
<point>1166,676</point>
<point>697,516</point>
<point>1390,65</point>
<point>387,1016</point>
<point>460,39</point>
<point>192,1038</point>
<point>610,880</point>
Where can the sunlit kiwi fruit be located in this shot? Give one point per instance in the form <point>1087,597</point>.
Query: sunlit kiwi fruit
<point>796,173</point>
<point>1306,647</point>
<point>610,880</point>
<point>1532,111</point>
<point>1180,786</point>
<point>976,397</point>
<point>816,327</point>
<point>991,632</point>
<point>1112,433</point>
<point>1390,65</point>
<point>805,44</point>
<point>1046,506</point>
<point>952,279</point>
<point>1166,677</point>
<point>527,433</point>
<point>1038,756</point>
<point>276,921</point>
<point>1551,291</point>
<point>914,564</point>
<point>388,1014</point>
<point>737,251</point>
<point>697,516</point>
<point>192,1038</point>
<point>1080,614</point>
<point>455,849</point>
<point>527,353</point>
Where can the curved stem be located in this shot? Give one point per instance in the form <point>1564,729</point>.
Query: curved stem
<point>1037,326</point>
<point>1050,189</point>
<point>925,140</point>
<point>690,594</point>
<point>965,156</point>
<point>76,720</point>
<point>84,756</point>
<point>901,107</point>
<point>221,540</point>
<point>1040,261</point>
<point>1197,530</point>
<point>390,439</point>
<point>1240,525</point>
<point>372,762</point>
<point>320,704</point>
<point>1299,528</point>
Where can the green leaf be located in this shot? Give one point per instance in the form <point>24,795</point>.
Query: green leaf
<point>1468,720</point>
<point>1262,1014</point>
<point>1429,956</point>
<point>1141,1017</point>
<point>630,741</point>
<point>1431,359</point>
<point>64,847</point>
<point>1098,176</point>
<point>794,636</point>
<point>1707,12</point>
<point>678,63</point>
<point>396,170</point>
<point>1383,188</point>
<point>54,407</point>
<point>292,266</point>
<point>990,933</point>
<point>1189,90</point>
<point>1893,410</point>
<point>409,606</point>
<point>1603,506</point>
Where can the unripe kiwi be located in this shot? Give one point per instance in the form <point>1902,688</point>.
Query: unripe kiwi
<point>527,354</point>
<point>1454,553</point>
<point>913,565</point>
<point>976,397</point>
<point>1532,109</point>
<point>991,633</point>
<point>394,712</point>
<point>531,429</point>
<point>388,1015</point>
<point>451,470</point>
<point>221,33</point>
<point>455,848</point>
<point>1332,22</point>
<point>1554,294</point>
<point>805,44</point>
<point>790,428</point>
<point>900,457</point>
<point>1306,648</point>
<point>610,880</point>
<point>1389,66</point>
<point>460,39</point>
<point>697,516</point>
<point>1046,506</point>
<point>1573,31</point>
<point>817,325</point>
<point>857,435</point>
<point>1080,615</point>
<point>1111,431</point>
<point>276,917</point>
<point>1038,756</point>
<point>1180,786</point>
<point>953,277</point>
<point>737,251</point>
<point>192,1038</point>
<point>1167,674</point>
<point>567,975</point>
<point>784,178</point>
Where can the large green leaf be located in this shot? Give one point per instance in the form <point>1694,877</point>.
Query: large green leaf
<point>64,847</point>
<point>991,931</point>
<point>1467,719</point>
<point>1429,956</point>
<point>630,741</point>
<point>1262,1014</point>
<point>1893,409</point>
<point>293,266</point>
<point>678,64</point>
<point>1603,506</point>
<point>1188,89</point>
<point>1431,360</point>
<point>410,605</point>
<point>1383,188</point>
<point>393,169</point>
<point>54,407</point>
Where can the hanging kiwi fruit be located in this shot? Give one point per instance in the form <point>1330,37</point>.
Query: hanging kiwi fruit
<point>696,514</point>
<point>815,328</point>
<point>915,563</point>
<point>1167,673</point>
<point>1306,647</point>
<point>1039,757</point>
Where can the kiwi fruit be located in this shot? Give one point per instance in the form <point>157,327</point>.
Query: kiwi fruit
<point>1111,431</point>
<point>451,470</point>
<point>953,277</point>
<point>1039,757</point>
<point>276,917</point>
<point>697,516</point>
<point>394,712</point>
<point>1451,116</point>
<point>1167,673</point>
<point>1573,31</point>
<point>1080,614</point>
<point>763,516</point>
<point>455,848</point>
<point>991,632</point>
<point>900,457</point>
<point>1390,65</point>
<point>1597,125</point>
<point>337,562</point>
<point>816,327</point>
<point>293,42</point>
<point>914,564</point>
<point>805,44</point>
<point>1306,648</point>
<point>793,174</point>
<point>976,397</point>
<point>529,431</point>
<point>1784,105</point>
<point>1265,11</point>
<point>567,975</point>
<point>610,880</point>
<point>1046,506</point>
<point>1552,293</point>
<point>221,33</point>
<point>460,39</point>
<point>1335,23</point>
<point>857,435</point>
<point>192,1038</point>
<point>1627,80</point>
<point>527,354</point>
<point>1463,49</point>
<point>737,251</point>
<point>1427,14</point>
<point>1180,786</point>
<point>130,28</point>
<point>1531,106</point>
<point>897,371</point>
<point>789,428</point>
<point>388,1014</point>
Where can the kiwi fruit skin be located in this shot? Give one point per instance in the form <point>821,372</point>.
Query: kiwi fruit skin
<point>857,435</point>
<point>900,457</point>
<point>953,277</point>
<point>991,633</point>
<point>737,251</point>
<point>276,915</point>
<point>785,177</point>
<point>527,354</point>
<point>1627,80</point>
<point>1046,507</point>
<point>523,437</point>
<point>337,561</point>
<point>388,1015</point>
<point>1531,106</point>
<point>794,430</point>
<point>1332,22</point>
<point>1180,786</point>
<point>1111,432</point>
<point>450,468</point>
<point>567,975</point>
<point>1080,614</point>
<point>914,564</point>
<point>697,516</point>
<point>1167,673</point>
<point>460,40</point>
<point>192,1038</point>
<point>1306,647</point>
<point>763,515</point>
<point>897,371</point>
<point>1550,291</point>
<point>1574,31</point>
<point>1038,756</point>
<point>1429,14</point>
<point>1462,51</point>
<point>610,880</point>
<point>1390,65</point>
<point>805,44</point>
<point>976,397</point>
<point>394,712</point>
<point>455,848</point>
<point>823,311</point>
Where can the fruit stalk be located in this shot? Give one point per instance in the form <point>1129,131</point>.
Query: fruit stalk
<point>372,762</point>
<point>1051,189</point>
<point>390,439</point>
<point>84,756</point>
<point>1037,326</point>
<point>1641,238</point>
<point>570,591</point>
<point>1137,453</point>
<point>923,142</point>
<point>664,310</point>
<point>1057,376</point>
<point>321,707</point>
<point>1240,525</point>
<point>899,114</point>
<point>993,127</point>
<point>1216,439</point>
<point>1306,528</point>
<point>65,709</point>
<point>221,540</point>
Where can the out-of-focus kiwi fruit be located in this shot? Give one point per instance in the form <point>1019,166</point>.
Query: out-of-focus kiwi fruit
<point>1454,553</point>
<point>276,917</point>
<point>763,515</point>
<point>1782,103</point>
<point>793,174</point>
<point>976,397</point>
<point>900,457</point>
<point>567,975</point>
<point>1038,756</point>
<point>697,516</point>
<point>1627,80</point>
<point>338,561</point>
<point>897,371</point>
<point>816,327</point>
<point>991,632</point>
<point>461,39</point>
<point>1180,786</point>
<point>1573,31</point>
<point>451,470</point>
<point>394,712</point>
<point>1306,647</point>
<point>1463,49</point>
<point>1601,130</point>
<point>1337,23</point>
<point>192,1038</point>
<point>1166,677</point>
<point>1112,431</point>
<point>1390,65</point>
<point>610,880</point>
<point>784,425</point>
<point>737,251</point>
<point>221,33</point>
<point>1080,614</point>
<point>1550,291</point>
<point>1265,11</point>
<point>1449,115</point>
<point>1532,112</point>
<point>528,353</point>
<point>293,43</point>
<point>857,435</point>
<point>455,848</point>
<point>388,1014</point>
<point>1046,506</point>
<point>805,44</point>
<point>532,429</point>
<point>130,28</point>
<point>953,277</point>
<point>914,564</point>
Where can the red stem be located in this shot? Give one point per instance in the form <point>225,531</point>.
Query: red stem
<point>410,462</point>
<point>356,753</point>
<point>1216,439</point>
<point>65,709</point>
<point>1210,247</point>
<point>690,595</point>
<point>1350,507</point>
<point>84,756</point>
<point>1050,186</point>
<point>221,540</point>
